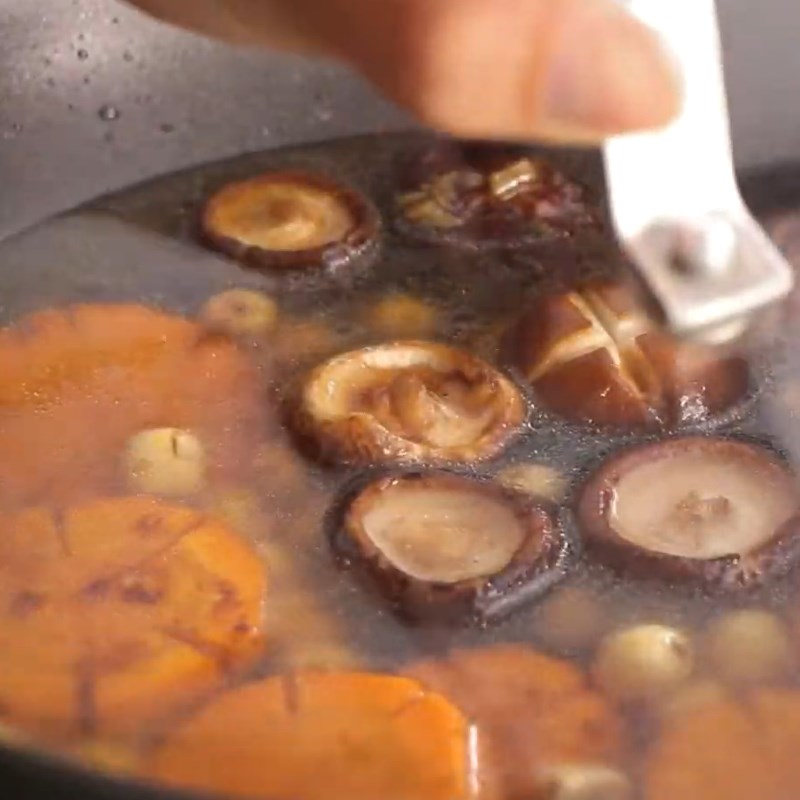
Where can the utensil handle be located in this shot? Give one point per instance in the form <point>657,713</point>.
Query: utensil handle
<point>674,199</point>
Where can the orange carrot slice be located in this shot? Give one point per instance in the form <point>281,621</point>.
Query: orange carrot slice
<point>115,612</point>
<point>729,751</point>
<point>337,736</point>
<point>535,712</point>
<point>76,383</point>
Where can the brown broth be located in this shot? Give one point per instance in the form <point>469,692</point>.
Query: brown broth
<point>141,246</point>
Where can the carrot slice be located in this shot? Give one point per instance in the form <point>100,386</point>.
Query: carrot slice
<point>535,712</point>
<point>727,751</point>
<point>115,612</point>
<point>778,718</point>
<point>713,754</point>
<point>76,383</point>
<point>337,736</point>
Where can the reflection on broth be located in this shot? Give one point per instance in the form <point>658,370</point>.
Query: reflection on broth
<point>511,454</point>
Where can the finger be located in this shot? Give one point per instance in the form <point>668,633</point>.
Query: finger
<point>561,70</point>
<point>208,17</point>
<point>272,23</point>
<point>575,70</point>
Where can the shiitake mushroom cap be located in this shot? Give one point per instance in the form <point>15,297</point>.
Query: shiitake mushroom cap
<point>594,356</point>
<point>381,522</point>
<point>721,513</point>
<point>482,196</point>
<point>290,222</point>
<point>407,402</point>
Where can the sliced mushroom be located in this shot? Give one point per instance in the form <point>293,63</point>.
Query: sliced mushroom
<point>446,547</point>
<point>410,402</point>
<point>719,511</point>
<point>485,196</point>
<point>595,356</point>
<point>290,221</point>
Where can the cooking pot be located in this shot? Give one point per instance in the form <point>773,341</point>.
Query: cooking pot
<point>94,97</point>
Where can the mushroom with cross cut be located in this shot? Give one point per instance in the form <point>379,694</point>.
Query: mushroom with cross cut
<point>593,355</point>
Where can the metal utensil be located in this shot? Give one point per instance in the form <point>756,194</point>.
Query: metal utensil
<point>674,199</point>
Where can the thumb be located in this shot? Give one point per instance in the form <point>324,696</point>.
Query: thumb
<point>560,70</point>
<point>563,70</point>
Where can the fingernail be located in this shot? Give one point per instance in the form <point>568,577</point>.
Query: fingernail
<point>608,74</point>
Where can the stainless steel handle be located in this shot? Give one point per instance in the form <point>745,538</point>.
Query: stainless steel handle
<point>674,199</point>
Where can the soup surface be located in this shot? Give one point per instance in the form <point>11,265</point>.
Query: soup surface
<point>370,477</point>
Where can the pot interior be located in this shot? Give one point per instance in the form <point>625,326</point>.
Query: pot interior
<point>600,667</point>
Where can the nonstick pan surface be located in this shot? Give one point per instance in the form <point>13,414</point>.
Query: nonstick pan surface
<point>57,150</point>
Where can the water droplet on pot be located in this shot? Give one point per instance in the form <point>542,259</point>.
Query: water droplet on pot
<point>83,54</point>
<point>166,128</point>
<point>108,113</point>
<point>127,56</point>
<point>12,132</point>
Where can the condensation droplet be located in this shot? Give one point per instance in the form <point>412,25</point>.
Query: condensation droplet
<point>13,131</point>
<point>83,54</point>
<point>127,56</point>
<point>109,113</point>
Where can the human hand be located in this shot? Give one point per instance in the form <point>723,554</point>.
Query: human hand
<point>570,71</point>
